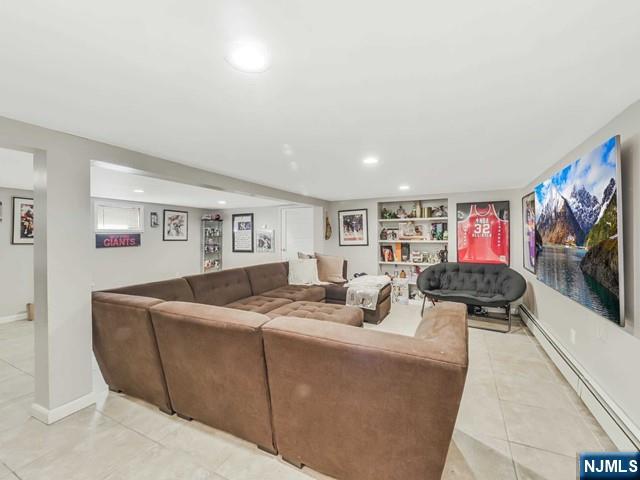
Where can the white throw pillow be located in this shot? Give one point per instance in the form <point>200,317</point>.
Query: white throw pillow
<point>303,271</point>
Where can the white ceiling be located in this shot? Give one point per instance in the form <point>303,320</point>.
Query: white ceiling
<point>16,171</point>
<point>452,96</point>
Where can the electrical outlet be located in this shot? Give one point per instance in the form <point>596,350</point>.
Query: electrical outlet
<point>573,336</point>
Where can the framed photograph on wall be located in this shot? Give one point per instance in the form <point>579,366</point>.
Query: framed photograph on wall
<point>175,226</point>
<point>22,221</point>
<point>483,232</point>
<point>154,221</point>
<point>354,227</point>
<point>265,241</point>
<point>529,232</point>
<point>242,233</point>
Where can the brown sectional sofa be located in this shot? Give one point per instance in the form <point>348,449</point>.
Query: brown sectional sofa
<point>349,402</point>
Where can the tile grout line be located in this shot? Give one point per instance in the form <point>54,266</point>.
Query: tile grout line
<point>504,423</point>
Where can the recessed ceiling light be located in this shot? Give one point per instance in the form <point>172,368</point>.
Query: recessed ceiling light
<point>248,57</point>
<point>138,190</point>
<point>404,187</point>
<point>222,202</point>
<point>287,149</point>
<point>370,160</point>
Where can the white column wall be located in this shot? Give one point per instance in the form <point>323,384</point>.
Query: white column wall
<point>63,373</point>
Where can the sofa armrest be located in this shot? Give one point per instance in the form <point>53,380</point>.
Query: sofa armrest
<point>453,350</point>
<point>357,403</point>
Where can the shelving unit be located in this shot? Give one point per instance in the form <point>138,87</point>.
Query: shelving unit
<point>211,245</point>
<point>422,227</point>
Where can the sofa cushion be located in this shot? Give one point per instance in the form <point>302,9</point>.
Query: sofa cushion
<point>267,277</point>
<point>321,311</point>
<point>297,293</point>
<point>438,322</point>
<point>176,289</point>
<point>220,288</point>
<point>258,304</point>
<point>330,268</point>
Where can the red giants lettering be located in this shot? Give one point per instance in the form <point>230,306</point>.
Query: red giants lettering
<point>109,240</point>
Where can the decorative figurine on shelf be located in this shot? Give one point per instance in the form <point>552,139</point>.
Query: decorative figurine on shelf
<point>384,234</point>
<point>439,212</point>
<point>443,255</point>
<point>414,211</point>
<point>401,213</point>
<point>388,214</point>
<point>445,235</point>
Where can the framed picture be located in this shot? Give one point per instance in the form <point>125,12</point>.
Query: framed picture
<point>580,231</point>
<point>22,221</point>
<point>175,226</point>
<point>154,221</point>
<point>483,232</point>
<point>529,232</point>
<point>242,234</point>
<point>265,240</point>
<point>354,227</point>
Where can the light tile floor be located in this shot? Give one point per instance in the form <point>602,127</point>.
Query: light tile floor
<point>519,419</point>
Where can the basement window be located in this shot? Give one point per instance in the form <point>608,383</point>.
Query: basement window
<point>112,218</point>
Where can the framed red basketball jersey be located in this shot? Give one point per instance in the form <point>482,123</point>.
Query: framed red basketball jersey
<point>483,232</point>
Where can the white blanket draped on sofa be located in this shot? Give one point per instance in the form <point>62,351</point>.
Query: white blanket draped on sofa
<point>363,291</point>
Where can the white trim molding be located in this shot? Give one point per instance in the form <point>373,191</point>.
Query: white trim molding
<point>13,318</point>
<point>51,416</point>
<point>624,433</point>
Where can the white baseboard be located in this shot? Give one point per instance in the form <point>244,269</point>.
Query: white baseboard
<point>51,416</point>
<point>622,431</point>
<point>13,318</point>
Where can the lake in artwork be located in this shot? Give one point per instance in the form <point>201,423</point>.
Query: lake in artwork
<point>559,267</point>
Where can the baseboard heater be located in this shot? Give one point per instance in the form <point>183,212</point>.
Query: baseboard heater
<point>622,432</point>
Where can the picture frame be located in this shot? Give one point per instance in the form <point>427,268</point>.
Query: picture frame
<point>265,240</point>
<point>175,226</point>
<point>242,233</point>
<point>353,227</point>
<point>483,232</point>
<point>529,232</point>
<point>154,220</point>
<point>22,228</point>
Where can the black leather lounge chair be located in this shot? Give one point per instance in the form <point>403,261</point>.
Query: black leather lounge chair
<point>477,284</point>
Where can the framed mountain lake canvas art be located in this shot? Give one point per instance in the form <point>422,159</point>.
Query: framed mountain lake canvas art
<point>579,221</point>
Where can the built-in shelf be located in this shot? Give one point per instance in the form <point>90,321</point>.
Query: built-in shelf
<point>421,219</point>
<point>407,263</point>
<point>413,241</point>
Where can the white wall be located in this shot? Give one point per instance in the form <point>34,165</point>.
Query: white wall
<point>263,217</point>
<point>609,353</point>
<point>365,258</point>
<point>16,261</point>
<point>269,218</point>
<point>154,260</point>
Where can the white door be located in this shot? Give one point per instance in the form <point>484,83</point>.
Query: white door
<point>297,231</point>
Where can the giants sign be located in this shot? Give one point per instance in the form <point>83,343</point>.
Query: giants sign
<point>115,240</point>
<point>483,232</point>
